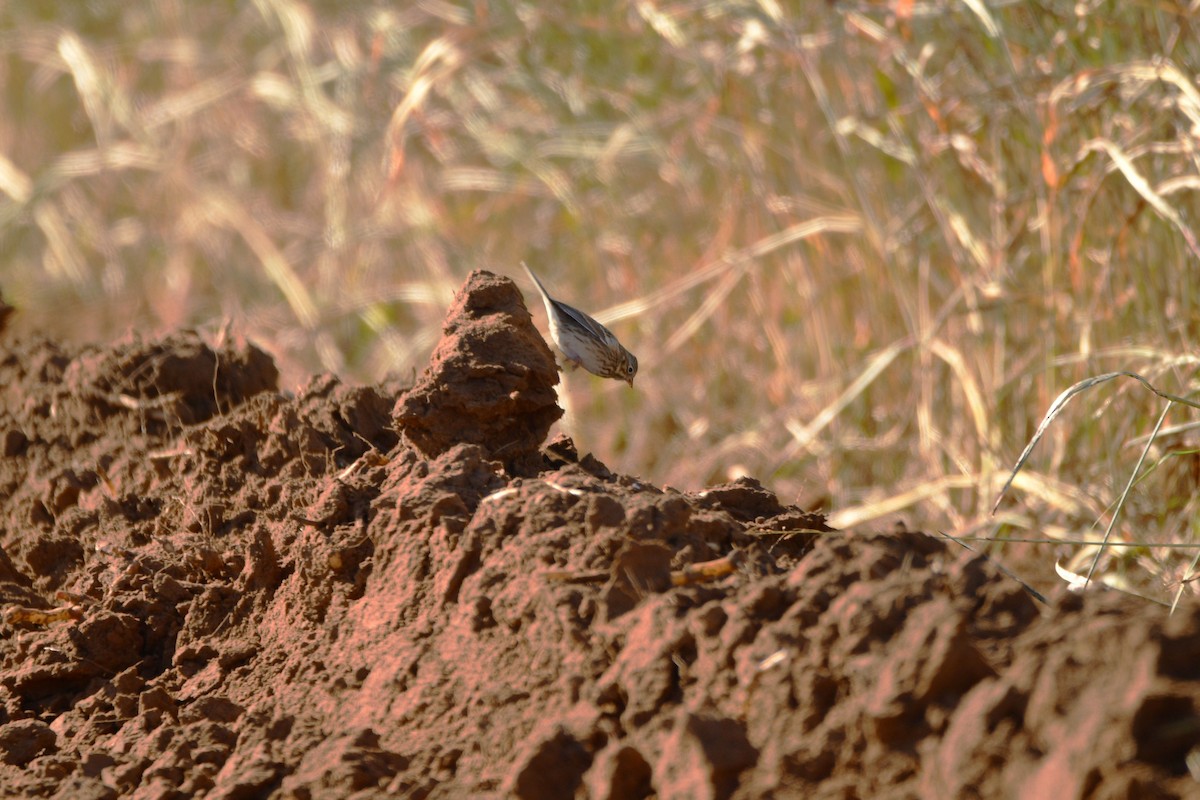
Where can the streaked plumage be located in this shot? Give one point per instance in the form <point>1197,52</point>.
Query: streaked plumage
<point>585,342</point>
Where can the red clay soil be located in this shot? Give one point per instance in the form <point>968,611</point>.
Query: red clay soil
<point>213,589</point>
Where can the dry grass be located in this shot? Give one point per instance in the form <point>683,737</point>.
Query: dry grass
<point>858,250</point>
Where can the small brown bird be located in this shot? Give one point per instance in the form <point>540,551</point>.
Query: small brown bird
<point>585,342</point>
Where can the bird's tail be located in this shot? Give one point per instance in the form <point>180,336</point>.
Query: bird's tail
<point>536,282</point>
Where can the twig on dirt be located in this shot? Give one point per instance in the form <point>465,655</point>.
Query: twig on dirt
<point>140,404</point>
<point>167,454</point>
<point>565,489</point>
<point>566,576</point>
<point>497,495</point>
<point>773,660</point>
<point>109,488</point>
<point>371,458</point>
<point>706,570</point>
<point>692,573</point>
<point>789,532</point>
<point>75,598</point>
<point>20,615</point>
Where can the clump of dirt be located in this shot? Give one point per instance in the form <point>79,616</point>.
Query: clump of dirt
<point>490,382</point>
<point>213,589</point>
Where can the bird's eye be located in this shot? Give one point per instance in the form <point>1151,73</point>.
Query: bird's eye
<point>629,368</point>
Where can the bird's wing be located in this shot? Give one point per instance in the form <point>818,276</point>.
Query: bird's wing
<point>583,320</point>
<point>587,323</point>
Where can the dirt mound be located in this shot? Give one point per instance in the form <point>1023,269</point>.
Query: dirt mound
<point>216,590</point>
<point>490,381</point>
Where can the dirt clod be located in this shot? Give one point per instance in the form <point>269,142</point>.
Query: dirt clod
<point>490,381</point>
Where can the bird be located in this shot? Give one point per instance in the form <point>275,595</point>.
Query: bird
<point>585,342</point>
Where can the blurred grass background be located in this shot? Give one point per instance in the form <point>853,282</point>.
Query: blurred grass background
<point>858,248</point>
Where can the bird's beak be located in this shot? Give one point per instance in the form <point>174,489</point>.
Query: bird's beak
<point>630,382</point>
